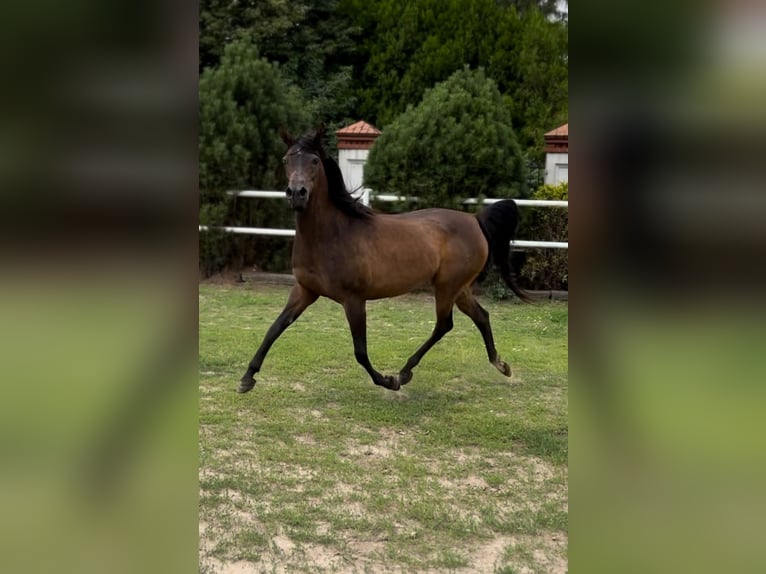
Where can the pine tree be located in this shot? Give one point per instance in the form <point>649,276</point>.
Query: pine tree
<point>243,103</point>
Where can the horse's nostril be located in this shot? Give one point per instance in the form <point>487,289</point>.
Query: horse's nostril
<point>289,192</point>
<point>302,192</point>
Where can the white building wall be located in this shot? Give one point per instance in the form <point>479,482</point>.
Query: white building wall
<point>351,163</point>
<point>556,168</point>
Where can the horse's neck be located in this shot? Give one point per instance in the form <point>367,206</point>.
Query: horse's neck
<point>320,225</point>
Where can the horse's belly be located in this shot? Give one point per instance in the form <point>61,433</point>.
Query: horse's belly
<point>397,274</point>
<point>384,290</point>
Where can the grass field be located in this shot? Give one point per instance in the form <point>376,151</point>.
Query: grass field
<point>318,470</point>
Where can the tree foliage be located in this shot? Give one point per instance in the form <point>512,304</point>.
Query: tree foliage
<point>408,46</point>
<point>530,64</point>
<point>370,59</point>
<point>267,22</point>
<point>457,143</point>
<point>312,41</point>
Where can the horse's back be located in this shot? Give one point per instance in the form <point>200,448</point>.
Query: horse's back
<point>450,220</point>
<point>454,227</point>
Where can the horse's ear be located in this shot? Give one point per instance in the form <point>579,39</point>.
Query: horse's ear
<point>286,137</point>
<point>320,134</point>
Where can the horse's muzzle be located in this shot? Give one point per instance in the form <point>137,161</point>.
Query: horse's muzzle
<point>297,198</point>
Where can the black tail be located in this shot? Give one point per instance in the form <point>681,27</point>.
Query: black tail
<point>498,221</point>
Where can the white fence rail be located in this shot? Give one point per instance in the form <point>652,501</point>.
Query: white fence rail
<point>395,198</point>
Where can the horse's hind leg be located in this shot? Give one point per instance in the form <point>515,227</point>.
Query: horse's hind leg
<point>297,301</point>
<point>443,326</point>
<point>468,304</point>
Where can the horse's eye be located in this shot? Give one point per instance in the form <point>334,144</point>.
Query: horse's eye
<point>315,160</point>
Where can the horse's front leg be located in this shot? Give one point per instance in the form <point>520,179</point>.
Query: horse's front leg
<point>297,301</point>
<point>356,314</point>
<point>443,326</point>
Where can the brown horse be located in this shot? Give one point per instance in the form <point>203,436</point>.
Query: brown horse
<point>347,252</point>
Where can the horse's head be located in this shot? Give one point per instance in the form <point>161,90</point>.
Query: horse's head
<point>303,165</point>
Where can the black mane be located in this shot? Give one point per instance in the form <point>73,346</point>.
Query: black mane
<point>336,188</point>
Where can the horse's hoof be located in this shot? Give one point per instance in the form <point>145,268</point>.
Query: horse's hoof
<point>391,383</point>
<point>246,384</point>
<point>503,367</point>
<point>405,377</point>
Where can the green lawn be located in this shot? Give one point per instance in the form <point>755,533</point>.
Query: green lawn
<point>318,470</point>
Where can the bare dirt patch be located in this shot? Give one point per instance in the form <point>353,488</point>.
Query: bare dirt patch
<point>459,477</point>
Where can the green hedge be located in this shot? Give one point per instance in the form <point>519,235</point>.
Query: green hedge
<point>546,268</point>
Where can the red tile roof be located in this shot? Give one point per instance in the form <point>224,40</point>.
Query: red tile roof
<point>557,141</point>
<point>559,131</point>
<point>359,128</point>
<point>357,136</point>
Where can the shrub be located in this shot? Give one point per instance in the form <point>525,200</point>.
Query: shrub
<point>457,143</point>
<point>547,268</point>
